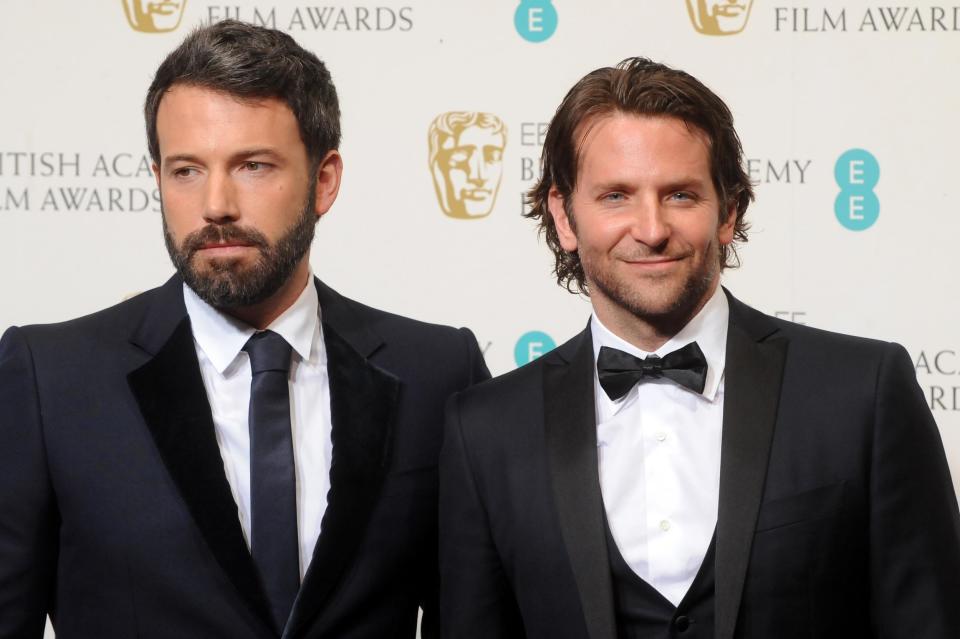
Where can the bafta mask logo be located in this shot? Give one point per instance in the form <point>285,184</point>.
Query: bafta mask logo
<point>719,17</point>
<point>154,17</point>
<point>466,161</point>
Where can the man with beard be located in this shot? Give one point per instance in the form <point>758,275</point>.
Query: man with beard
<point>242,452</point>
<point>686,466</point>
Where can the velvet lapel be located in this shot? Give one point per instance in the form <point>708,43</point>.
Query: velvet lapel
<point>754,369</point>
<point>363,405</point>
<point>170,392</point>
<point>571,439</point>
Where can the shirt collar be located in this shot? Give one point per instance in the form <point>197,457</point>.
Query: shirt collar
<point>222,337</point>
<point>708,329</point>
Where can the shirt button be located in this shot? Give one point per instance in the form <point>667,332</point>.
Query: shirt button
<point>661,437</point>
<point>682,623</point>
<point>664,525</point>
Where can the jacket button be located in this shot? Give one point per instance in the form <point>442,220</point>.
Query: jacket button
<point>682,623</point>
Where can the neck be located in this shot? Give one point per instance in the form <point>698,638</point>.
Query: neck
<point>262,314</point>
<point>647,332</point>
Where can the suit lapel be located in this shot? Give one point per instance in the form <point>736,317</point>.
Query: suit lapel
<point>571,439</point>
<point>169,391</point>
<point>754,369</point>
<point>363,405</point>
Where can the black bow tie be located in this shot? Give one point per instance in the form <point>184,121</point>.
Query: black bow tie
<point>619,371</point>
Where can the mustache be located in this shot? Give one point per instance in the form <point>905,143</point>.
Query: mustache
<point>642,252</point>
<point>222,234</point>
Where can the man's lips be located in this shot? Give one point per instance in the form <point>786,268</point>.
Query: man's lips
<point>219,245</point>
<point>224,249</point>
<point>653,263</point>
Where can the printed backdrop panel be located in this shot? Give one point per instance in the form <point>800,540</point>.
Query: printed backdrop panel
<point>846,110</point>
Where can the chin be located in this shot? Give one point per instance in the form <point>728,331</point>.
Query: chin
<point>227,265</point>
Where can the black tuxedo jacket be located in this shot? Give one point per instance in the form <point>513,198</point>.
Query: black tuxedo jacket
<point>837,517</point>
<point>115,513</point>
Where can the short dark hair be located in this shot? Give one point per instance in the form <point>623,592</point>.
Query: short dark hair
<point>636,86</point>
<point>252,63</point>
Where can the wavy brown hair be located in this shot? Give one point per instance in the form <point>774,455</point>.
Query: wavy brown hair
<point>636,86</point>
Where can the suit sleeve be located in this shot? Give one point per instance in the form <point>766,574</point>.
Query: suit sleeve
<point>478,366</point>
<point>476,600</point>
<point>915,524</point>
<point>28,517</point>
<point>476,372</point>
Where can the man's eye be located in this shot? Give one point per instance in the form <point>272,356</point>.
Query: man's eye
<point>614,197</point>
<point>254,166</point>
<point>184,171</point>
<point>682,196</point>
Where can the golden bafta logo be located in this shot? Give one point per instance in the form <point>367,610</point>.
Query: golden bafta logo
<point>466,161</point>
<point>154,17</point>
<point>719,17</point>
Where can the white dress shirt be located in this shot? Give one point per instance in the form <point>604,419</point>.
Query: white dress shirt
<point>659,457</point>
<point>225,367</point>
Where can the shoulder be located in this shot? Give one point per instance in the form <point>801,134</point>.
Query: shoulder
<point>107,325</point>
<point>398,328</point>
<point>348,314</point>
<point>434,355</point>
<point>520,386</point>
<point>813,346</point>
<point>516,393</point>
<point>826,368</point>
<point>401,336</point>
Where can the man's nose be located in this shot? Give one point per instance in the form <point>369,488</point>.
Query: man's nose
<point>649,224</point>
<point>220,202</point>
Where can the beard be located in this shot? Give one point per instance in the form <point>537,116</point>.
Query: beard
<point>226,283</point>
<point>665,303</point>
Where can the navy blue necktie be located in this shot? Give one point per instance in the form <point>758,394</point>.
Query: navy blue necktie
<point>273,485</point>
<point>619,371</point>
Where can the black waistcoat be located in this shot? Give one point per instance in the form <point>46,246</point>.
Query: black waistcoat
<point>643,613</point>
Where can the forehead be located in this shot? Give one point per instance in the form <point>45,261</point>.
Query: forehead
<point>622,144</point>
<point>198,116</point>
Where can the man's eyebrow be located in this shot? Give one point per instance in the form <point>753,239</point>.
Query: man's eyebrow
<point>613,185</point>
<point>244,153</point>
<point>685,183</point>
<point>179,157</point>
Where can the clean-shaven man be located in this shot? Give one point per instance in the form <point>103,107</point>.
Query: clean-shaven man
<point>686,466</point>
<point>242,452</point>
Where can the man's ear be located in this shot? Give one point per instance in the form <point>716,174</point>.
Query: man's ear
<point>156,172</point>
<point>555,202</point>
<point>328,175</point>
<point>725,230</point>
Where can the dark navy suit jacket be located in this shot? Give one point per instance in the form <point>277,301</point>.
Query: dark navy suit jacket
<point>116,517</point>
<point>837,516</point>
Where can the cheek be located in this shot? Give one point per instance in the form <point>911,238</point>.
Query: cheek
<point>700,232</point>
<point>181,212</point>
<point>272,210</point>
<point>602,236</point>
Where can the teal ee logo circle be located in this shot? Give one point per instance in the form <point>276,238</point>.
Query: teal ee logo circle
<point>535,20</point>
<point>857,173</point>
<point>532,345</point>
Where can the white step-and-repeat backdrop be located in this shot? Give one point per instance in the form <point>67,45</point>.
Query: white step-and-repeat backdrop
<point>847,110</point>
